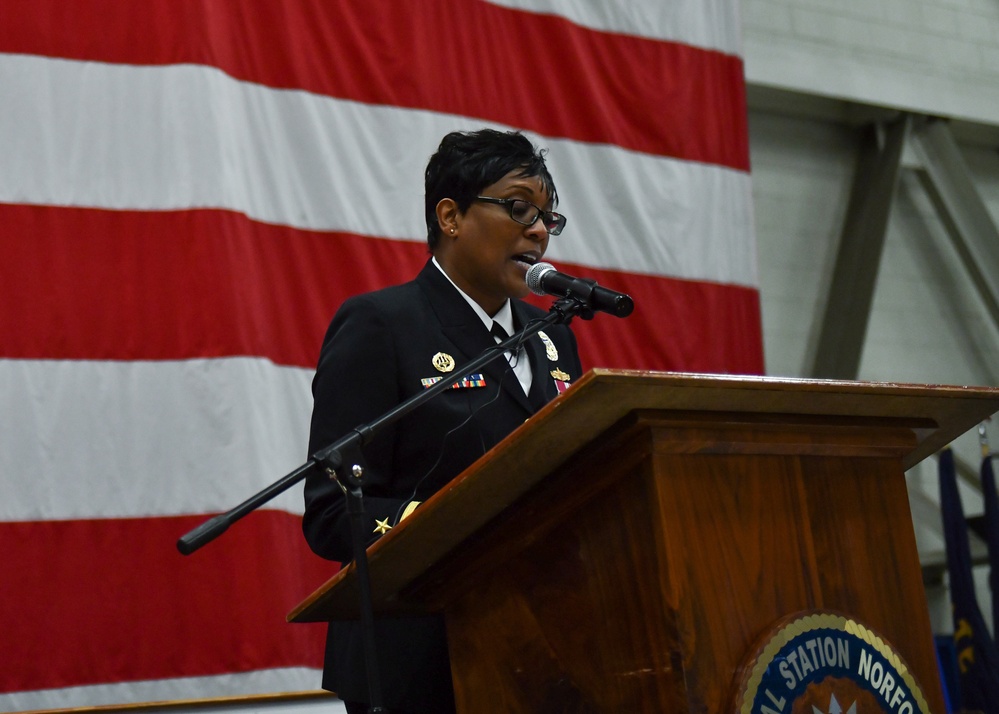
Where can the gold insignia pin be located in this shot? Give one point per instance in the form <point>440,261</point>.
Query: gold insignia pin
<point>410,507</point>
<point>559,375</point>
<point>550,350</point>
<point>443,362</point>
<point>382,527</point>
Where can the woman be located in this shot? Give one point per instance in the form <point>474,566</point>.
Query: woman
<point>489,211</point>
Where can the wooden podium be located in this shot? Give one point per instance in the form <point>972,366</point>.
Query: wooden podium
<point>625,548</point>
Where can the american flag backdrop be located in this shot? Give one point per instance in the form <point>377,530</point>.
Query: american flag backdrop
<point>189,188</point>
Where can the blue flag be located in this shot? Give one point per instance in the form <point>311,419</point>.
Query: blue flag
<point>977,657</point>
<point>991,533</point>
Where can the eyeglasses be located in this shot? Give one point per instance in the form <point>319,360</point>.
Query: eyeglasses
<point>526,213</point>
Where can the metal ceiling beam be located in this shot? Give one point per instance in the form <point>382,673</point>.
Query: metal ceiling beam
<point>848,307</point>
<point>947,180</point>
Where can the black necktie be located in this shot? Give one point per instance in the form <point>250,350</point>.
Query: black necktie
<point>498,332</point>
<point>513,356</point>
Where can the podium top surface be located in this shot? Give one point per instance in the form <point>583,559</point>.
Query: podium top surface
<point>596,402</point>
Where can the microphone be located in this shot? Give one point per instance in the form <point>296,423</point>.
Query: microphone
<point>543,279</point>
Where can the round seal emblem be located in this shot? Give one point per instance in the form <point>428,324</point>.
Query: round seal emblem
<point>822,662</point>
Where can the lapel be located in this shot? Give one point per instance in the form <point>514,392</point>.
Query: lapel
<point>541,384</point>
<point>465,330</point>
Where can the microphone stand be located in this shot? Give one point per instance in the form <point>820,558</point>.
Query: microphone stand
<point>355,511</point>
<point>333,457</point>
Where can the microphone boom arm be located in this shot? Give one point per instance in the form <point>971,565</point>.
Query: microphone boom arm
<point>331,458</point>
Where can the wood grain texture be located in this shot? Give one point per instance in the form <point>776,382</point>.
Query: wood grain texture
<point>583,625</point>
<point>647,592</point>
<point>626,548</point>
<point>583,414</point>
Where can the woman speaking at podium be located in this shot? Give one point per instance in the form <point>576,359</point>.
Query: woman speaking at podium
<point>490,212</point>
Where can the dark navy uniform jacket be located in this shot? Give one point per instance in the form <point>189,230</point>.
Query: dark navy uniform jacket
<point>379,350</point>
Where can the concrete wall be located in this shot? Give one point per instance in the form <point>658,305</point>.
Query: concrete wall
<point>931,56</point>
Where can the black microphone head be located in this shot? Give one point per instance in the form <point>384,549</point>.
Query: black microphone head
<point>623,306</point>
<point>534,277</point>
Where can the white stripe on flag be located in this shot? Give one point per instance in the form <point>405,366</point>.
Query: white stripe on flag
<point>713,24</point>
<point>267,681</point>
<point>181,137</point>
<point>657,216</point>
<point>134,439</point>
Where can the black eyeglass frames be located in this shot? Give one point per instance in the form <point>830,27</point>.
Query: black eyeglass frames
<point>526,213</point>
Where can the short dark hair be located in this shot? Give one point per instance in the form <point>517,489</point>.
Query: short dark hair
<point>467,162</point>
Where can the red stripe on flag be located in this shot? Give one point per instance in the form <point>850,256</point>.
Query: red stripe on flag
<point>93,601</point>
<point>540,72</point>
<point>157,285</point>
<point>677,325</point>
<point>128,285</point>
